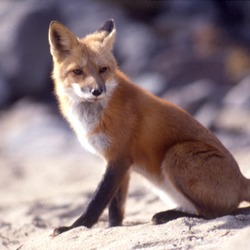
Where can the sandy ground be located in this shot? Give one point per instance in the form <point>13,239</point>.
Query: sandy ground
<point>46,180</point>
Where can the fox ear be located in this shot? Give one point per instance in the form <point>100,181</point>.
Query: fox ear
<point>108,32</point>
<point>61,39</point>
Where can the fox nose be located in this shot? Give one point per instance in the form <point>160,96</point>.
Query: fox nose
<point>96,92</point>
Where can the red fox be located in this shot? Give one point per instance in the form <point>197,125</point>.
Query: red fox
<point>134,130</point>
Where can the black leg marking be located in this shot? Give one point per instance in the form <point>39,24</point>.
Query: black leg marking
<point>116,207</point>
<point>115,213</point>
<point>242,210</point>
<point>169,215</point>
<point>60,230</point>
<point>109,185</point>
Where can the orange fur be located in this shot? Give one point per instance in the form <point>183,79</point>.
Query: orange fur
<point>143,132</point>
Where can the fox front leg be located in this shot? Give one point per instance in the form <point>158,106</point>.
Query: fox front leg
<point>117,205</point>
<point>106,190</point>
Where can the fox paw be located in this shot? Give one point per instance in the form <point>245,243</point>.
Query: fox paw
<point>60,230</point>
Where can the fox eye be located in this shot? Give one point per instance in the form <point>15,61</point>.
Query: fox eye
<point>77,72</point>
<point>103,70</point>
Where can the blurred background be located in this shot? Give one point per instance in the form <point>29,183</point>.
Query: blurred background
<point>193,53</point>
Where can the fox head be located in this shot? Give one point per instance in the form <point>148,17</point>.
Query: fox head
<point>83,68</point>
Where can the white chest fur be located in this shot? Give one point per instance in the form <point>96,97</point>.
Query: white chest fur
<point>84,117</point>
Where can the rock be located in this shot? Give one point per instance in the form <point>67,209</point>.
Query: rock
<point>172,46</point>
<point>234,114</point>
<point>239,95</point>
<point>5,91</point>
<point>78,15</point>
<point>233,122</point>
<point>192,96</point>
<point>233,140</point>
<point>135,47</point>
<point>182,67</point>
<point>25,59</point>
<point>207,114</point>
<point>152,82</point>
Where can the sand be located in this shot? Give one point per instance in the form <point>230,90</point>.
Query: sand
<point>47,179</point>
